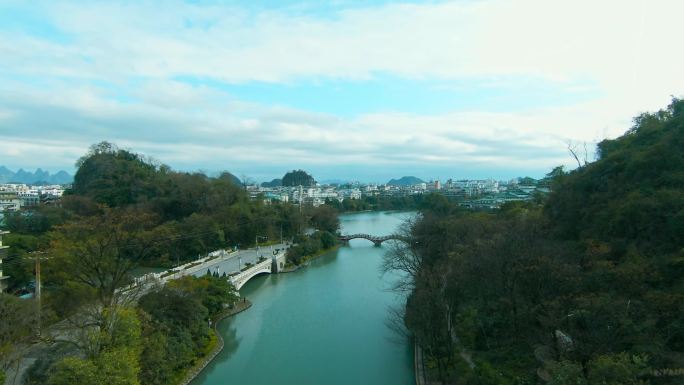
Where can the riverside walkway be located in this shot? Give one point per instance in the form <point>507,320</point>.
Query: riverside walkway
<point>238,266</point>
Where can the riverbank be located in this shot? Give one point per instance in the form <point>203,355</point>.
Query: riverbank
<point>239,307</point>
<point>334,313</point>
<point>199,367</point>
<point>309,258</point>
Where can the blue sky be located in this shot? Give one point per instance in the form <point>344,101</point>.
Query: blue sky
<point>357,90</point>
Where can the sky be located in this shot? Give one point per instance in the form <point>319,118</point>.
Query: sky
<point>350,90</point>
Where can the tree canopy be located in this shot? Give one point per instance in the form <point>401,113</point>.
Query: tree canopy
<point>585,288</point>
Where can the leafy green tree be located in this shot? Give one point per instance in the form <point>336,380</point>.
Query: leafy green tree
<point>182,314</point>
<point>325,218</point>
<point>74,370</point>
<point>118,367</point>
<point>437,204</point>
<point>212,291</point>
<point>17,328</point>
<point>155,365</point>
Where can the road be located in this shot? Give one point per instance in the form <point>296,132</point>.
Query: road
<point>229,264</point>
<point>234,262</point>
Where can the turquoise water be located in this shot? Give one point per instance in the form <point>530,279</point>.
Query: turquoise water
<point>326,324</point>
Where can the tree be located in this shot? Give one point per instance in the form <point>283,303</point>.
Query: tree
<point>154,363</point>
<point>96,255</point>
<point>325,218</point>
<point>621,369</point>
<point>565,373</point>
<point>73,370</point>
<point>114,367</point>
<point>17,329</point>
<point>176,321</point>
<point>587,282</point>
<point>115,177</point>
<point>118,367</point>
<point>404,257</point>
<point>211,290</point>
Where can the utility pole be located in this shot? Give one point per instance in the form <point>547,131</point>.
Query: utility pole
<point>38,278</point>
<point>37,292</point>
<point>301,197</point>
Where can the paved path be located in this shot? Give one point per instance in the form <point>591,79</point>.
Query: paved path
<point>233,262</point>
<point>229,263</point>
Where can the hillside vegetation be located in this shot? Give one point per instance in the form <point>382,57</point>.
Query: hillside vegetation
<point>584,288</point>
<point>123,212</point>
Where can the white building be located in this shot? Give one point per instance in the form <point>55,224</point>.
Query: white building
<point>352,193</point>
<point>3,251</point>
<point>9,201</point>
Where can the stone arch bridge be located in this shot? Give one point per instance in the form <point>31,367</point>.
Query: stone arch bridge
<point>267,266</point>
<point>377,240</point>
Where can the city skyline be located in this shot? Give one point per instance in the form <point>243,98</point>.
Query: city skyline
<point>354,90</point>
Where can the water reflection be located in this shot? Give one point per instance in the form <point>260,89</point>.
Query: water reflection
<point>325,324</point>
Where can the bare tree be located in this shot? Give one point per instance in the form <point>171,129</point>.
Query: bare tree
<point>403,257</point>
<point>246,181</point>
<point>574,149</point>
<point>395,322</point>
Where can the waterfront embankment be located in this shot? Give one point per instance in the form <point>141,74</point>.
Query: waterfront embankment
<point>239,307</point>
<point>326,325</point>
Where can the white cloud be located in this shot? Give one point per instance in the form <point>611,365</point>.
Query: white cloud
<point>628,49</point>
<point>611,41</point>
<point>278,136</point>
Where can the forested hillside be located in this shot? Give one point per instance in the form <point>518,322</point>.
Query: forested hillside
<point>584,288</point>
<point>182,214</point>
<point>125,212</point>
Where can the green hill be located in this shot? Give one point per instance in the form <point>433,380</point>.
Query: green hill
<point>634,193</point>
<point>585,288</point>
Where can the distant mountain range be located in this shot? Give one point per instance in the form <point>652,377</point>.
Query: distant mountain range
<point>334,181</point>
<point>37,177</point>
<point>273,183</point>
<point>405,181</point>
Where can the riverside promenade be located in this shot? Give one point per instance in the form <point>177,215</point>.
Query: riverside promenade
<point>219,261</point>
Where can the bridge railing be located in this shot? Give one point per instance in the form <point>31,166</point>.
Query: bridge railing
<point>372,238</point>
<point>239,279</point>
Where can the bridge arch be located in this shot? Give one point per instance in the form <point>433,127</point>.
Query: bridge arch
<point>267,266</point>
<point>243,277</point>
<point>377,240</point>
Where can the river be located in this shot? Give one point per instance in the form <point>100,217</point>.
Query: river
<point>326,324</point>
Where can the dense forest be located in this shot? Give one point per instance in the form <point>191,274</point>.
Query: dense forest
<point>124,212</point>
<point>583,288</point>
